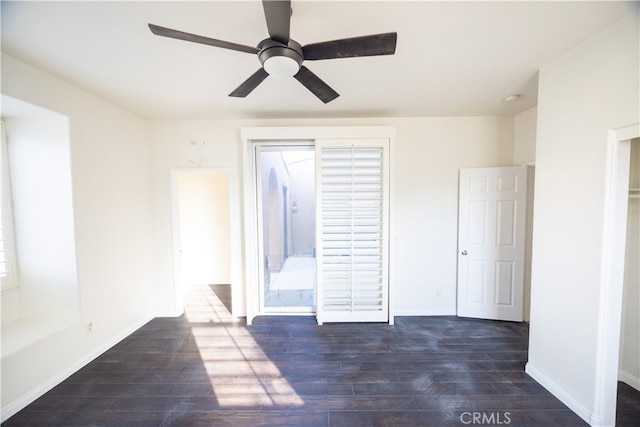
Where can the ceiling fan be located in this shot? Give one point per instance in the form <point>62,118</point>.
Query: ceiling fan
<point>283,56</point>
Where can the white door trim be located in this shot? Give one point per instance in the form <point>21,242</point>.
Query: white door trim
<point>612,274</point>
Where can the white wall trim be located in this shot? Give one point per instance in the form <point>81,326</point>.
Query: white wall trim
<point>391,212</point>
<point>612,274</point>
<point>29,397</point>
<point>250,226</point>
<point>558,392</point>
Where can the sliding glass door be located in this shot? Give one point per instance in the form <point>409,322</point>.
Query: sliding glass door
<point>322,223</point>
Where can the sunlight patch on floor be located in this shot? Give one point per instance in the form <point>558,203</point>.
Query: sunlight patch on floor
<point>241,374</point>
<point>202,305</point>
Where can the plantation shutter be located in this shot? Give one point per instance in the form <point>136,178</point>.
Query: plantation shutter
<point>352,227</point>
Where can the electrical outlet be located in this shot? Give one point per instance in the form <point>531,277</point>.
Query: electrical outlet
<point>89,327</point>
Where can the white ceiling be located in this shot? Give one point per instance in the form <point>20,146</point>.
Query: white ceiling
<point>453,58</point>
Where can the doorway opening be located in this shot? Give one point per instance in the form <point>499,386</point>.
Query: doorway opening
<point>286,227</point>
<point>201,230</point>
<point>613,266</point>
<point>628,390</point>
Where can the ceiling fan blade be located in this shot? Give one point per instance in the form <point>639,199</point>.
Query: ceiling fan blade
<point>181,35</point>
<point>250,84</point>
<point>278,16</point>
<point>315,85</point>
<point>373,45</point>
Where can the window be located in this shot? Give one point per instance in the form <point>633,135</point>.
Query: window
<point>8,275</point>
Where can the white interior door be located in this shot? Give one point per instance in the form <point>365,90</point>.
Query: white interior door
<point>491,242</point>
<point>352,186</point>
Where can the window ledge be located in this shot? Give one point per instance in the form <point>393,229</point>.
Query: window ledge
<point>22,333</point>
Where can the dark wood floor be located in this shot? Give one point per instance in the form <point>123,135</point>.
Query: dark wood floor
<point>209,369</point>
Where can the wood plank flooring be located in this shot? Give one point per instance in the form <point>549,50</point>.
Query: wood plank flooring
<point>208,369</point>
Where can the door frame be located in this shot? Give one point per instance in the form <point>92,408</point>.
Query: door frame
<point>178,285</point>
<point>612,273</point>
<point>249,136</point>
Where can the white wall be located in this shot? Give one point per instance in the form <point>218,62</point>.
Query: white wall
<point>203,199</point>
<point>582,95</point>
<point>171,142</point>
<point>426,157</point>
<point>10,305</point>
<point>109,174</point>
<point>524,137</point>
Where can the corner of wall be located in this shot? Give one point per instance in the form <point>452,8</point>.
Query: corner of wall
<point>558,391</point>
<point>524,137</point>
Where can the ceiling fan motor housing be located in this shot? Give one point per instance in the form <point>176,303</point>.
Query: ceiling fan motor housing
<point>280,59</point>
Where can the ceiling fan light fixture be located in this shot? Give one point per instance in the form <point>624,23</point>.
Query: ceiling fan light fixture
<point>280,60</point>
<point>281,66</point>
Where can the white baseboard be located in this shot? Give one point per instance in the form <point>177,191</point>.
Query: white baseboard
<point>629,379</point>
<point>29,397</point>
<point>169,314</point>
<point>558,392</point>
<point>430,312</point>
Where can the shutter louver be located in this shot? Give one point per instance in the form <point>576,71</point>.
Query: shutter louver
<point>352,232</point>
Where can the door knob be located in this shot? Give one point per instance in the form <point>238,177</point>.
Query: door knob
<point>464,252</point>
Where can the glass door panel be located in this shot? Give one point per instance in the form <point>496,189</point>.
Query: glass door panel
<point>286,193</point>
